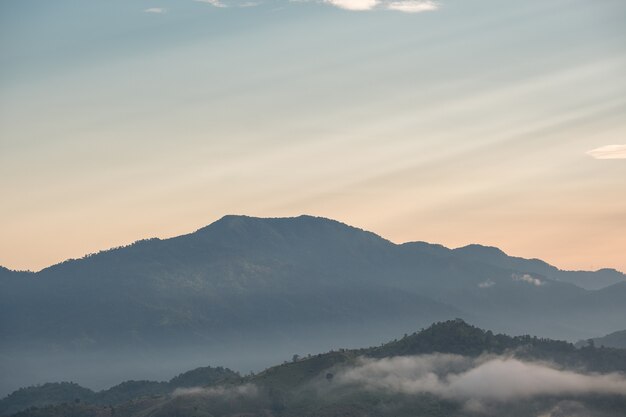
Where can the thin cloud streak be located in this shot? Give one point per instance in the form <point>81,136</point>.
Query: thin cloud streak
<point>155,10</point>
<point>356,5</point>
<point>412,6</point>
<point>608,152</point>
<point>405,6</point>
<point>214,3</point>
<point>246,390</point>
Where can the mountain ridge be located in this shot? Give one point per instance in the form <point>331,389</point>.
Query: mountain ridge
<point>230,218</point>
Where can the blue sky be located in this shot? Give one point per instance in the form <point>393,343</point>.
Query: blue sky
<point>453,121</point>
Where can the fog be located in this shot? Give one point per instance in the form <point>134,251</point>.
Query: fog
<point>108,366</point>
<point>491,378</point>
<point>103,369</point>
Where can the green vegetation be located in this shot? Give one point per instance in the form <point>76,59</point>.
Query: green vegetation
<point>41,395</point>
<point>71,393</point>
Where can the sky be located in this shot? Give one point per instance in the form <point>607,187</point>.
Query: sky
<point>448,121</point>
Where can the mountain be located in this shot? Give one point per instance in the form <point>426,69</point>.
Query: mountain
<point>69,392</point>
<point>264,289</point>
<point>585,279</point>
<point>43,395</point>
<point>425,373</point>
<point>613,340</point>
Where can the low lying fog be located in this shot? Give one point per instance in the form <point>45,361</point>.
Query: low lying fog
<point>494,378</point>
<point>486,386</point>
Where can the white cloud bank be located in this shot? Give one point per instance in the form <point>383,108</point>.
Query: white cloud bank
<point>156,10</point>
<point>608,152</point>
<point>488,378</point>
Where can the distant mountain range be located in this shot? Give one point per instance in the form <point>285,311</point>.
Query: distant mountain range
<point>268,287</point>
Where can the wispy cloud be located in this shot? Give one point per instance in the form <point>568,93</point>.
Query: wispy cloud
<point>608,152</point>
<point>406,6</point>
<point>486,284</point>
<point>529,279</point>
<point>155,10</point>
<point>354,4</point>
<point>412,6</point>
<point>235,4</point>
<point>214,3</point>
<point>246,390</point>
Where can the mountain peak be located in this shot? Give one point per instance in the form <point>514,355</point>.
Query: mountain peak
<point>455,326</point>
<point>478,249</point>
<point>235,220</point>
<point>302,218</point>
<point>611,271</point>
<point>289,228</point>
<point>453,336</point>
